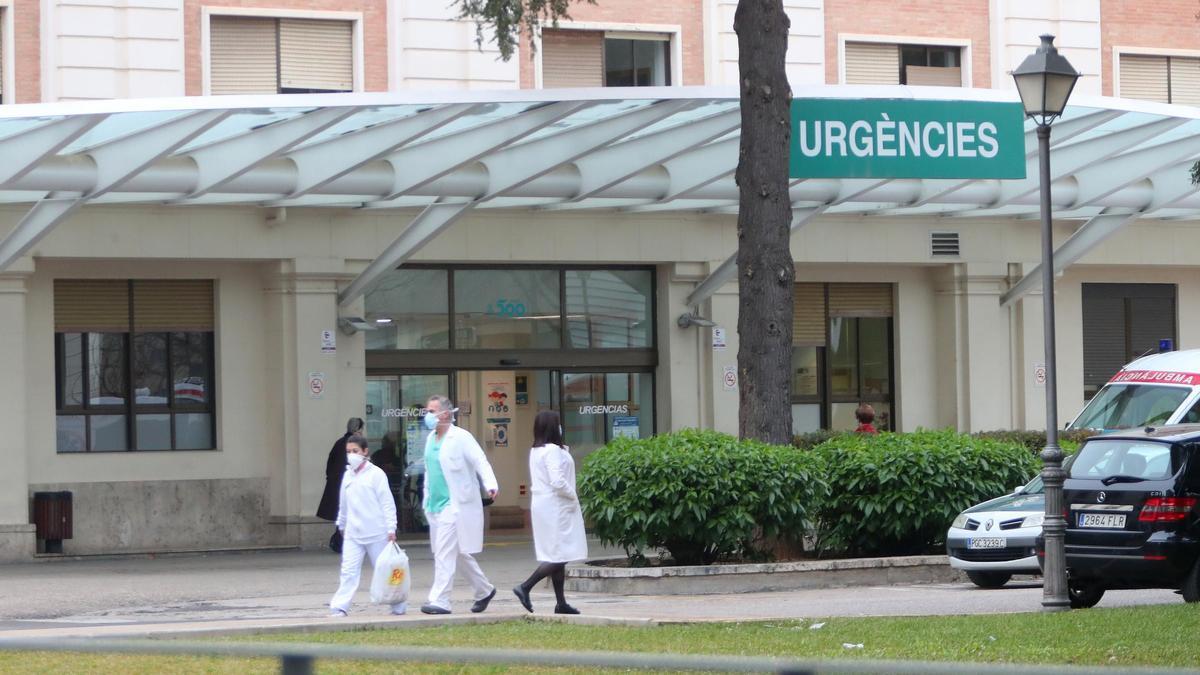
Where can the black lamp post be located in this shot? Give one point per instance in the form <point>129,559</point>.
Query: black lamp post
<point>1044,81</point>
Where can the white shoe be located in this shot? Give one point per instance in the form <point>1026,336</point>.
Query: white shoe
<point>400,609</point>
<point>337,614</point>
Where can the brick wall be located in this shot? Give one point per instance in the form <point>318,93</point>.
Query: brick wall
<point>955,19</point>
<point>688,14</point>
<point>374,13</point>
<point>27,43</point>
<point>1155,24</point>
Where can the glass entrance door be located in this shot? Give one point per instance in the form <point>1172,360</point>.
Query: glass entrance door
<point>395,404</point>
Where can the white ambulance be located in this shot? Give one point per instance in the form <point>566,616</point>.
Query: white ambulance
<point>1151,391</point>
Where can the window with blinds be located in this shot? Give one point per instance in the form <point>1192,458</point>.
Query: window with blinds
<point>134,364</point>
<point>263,55</point>
<point>1165,79</point>
<point>1122,322</point>
<point>842,354</point>
<point>572,58</point>
<point>582,58</point>
<point>918,65</point>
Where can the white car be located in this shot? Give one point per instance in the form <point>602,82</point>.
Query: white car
<point>994,540</point>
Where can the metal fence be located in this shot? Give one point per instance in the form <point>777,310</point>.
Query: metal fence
<point>298,659</point>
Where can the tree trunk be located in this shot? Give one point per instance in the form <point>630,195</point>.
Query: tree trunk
<point>764,259</point>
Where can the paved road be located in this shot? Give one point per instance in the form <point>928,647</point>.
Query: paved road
<point>297,585</point>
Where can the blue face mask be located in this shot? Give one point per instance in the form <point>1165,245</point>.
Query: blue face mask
<point>431,421</point>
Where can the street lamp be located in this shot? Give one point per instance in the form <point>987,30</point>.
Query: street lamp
<point>1044,81</point>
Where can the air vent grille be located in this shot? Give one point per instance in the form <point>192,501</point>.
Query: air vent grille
<point>943,244</point>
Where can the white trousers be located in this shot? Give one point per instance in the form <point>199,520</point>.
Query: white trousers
<point>447,557</point>
<point>352,560</point>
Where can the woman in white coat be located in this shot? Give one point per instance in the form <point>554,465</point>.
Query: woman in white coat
<point>367,520</point>
<point>558,535</point>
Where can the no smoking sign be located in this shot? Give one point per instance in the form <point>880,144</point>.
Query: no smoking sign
<point>316,384</point>
<point>729,379</point>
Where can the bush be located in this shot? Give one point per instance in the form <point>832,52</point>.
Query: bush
<point>699,495</point>
<point>895,494</point>
<point>812,439</point>
<point>1034,441</point>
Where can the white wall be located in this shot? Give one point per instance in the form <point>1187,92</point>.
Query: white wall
<point>1016,25</point>
<point>429,48</point>
<point>806,42</point>
<point>100,49</point>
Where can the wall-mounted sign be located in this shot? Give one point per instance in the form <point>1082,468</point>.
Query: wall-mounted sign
<point>402,412</point>
<point>316,385</point>
<point>625,427</point>
<point>903,138</point>
<point>718,339</point>
<point>499,431</point>
<point>328,342</point>
<point>729,378</point>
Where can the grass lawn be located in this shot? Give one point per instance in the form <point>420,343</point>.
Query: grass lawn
<point>1162,635</point>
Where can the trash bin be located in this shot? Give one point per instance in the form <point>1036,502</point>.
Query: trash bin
<point>53,516</point>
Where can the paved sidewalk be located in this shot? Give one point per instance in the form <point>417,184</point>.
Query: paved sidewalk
<point>191,595</point>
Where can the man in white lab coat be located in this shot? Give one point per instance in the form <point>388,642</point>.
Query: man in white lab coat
<point>454,468</point>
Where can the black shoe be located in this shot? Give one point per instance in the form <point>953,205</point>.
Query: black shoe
<point>565,609</point>
<point>433,609</point>
<point>482,604</point>
<point>523,596</point>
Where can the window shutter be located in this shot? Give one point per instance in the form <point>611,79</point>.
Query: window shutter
<point>1144,77</point>
<point>808,316</point>
<point>1185,80</point>
<point>930,76</point>
<point>316,54</point>
<point>91,306</point>
<point>865,300</point>
<point>869,63</point>
<point>1150,320</point>
<point>572,58</point>
<point>243,55</point>
<point>173,305</point>
<point>1103,333</point>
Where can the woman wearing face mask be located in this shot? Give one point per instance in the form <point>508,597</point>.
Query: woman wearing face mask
<point>558,536</point>
<point>367,520</point>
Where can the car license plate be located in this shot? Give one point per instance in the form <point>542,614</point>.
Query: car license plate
<point>1105,520</point>
<point>987,542</point>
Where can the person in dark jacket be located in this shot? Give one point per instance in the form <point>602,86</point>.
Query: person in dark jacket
<point>335,466</point>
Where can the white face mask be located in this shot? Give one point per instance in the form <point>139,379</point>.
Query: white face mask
<point>355,460</point>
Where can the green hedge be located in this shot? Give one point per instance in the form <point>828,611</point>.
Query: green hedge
<point>699,495</point>
<point>895,494</point>
<point>1034,441</point>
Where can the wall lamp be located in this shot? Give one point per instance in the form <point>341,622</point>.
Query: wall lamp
<point>353,324</point>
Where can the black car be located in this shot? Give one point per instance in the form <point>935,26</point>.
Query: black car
<point>1132,516</point>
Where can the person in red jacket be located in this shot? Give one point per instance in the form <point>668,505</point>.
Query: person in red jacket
<point>865,414</point>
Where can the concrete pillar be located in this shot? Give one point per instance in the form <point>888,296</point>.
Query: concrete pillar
<point>17,542</point>
<point>974,350</point>
<point>319,390</point>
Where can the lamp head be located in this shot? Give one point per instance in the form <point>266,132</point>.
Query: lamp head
<point>1045,80</point>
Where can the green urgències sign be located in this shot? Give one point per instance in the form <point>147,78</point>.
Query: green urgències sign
<point>902,138</point>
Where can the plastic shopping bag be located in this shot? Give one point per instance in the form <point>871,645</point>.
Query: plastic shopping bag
<point>390,583</point>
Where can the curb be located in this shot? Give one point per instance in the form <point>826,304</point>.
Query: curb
<point>222,629</point>
<point>761,577</point>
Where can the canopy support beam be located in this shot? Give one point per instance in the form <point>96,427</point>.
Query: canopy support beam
<point>728,269</point>
<point>116,161</point>
<point>1086,238</point>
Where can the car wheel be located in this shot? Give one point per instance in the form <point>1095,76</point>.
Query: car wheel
<point>989,579</point>
<point>1084,594</point>
<point>1191,585</point>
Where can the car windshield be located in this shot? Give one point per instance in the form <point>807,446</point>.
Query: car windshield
<point>1105,459</point>
<point>1125,406</point>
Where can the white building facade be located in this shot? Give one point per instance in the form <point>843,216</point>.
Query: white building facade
<point>198,292</point>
